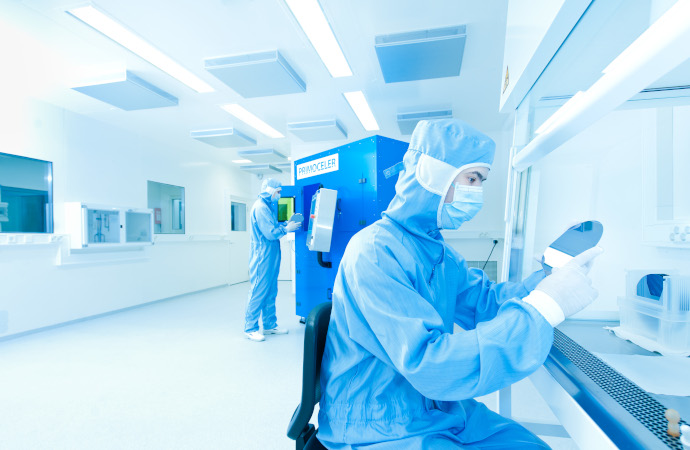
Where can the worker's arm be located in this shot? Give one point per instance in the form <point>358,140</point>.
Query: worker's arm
<point>479,298</point>
<point>268,224</point>
<point>388,317</point>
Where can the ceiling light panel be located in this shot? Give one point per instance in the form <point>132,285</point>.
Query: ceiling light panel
<point>314,24</point>
<point>223,138</point>
<point>256,74</point>
<point>318,130</point>
<point>128,92</point>
<point>361,108</point>
<point>114,30</point>
<point>253,121</point>
<point>436,53</point>
<point>408,121</point>
<point>262,155</point>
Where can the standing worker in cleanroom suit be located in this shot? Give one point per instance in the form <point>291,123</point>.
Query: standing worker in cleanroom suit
<point>394,375</point>
<point>264,262</point>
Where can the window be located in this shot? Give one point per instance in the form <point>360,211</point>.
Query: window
<point>26,195</point>
<point>167,202</point>
<point>238,216</point>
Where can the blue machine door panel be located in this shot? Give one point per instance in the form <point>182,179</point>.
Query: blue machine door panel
<point>363,192</point>
<point>369,196</point>
<point>307,192</point>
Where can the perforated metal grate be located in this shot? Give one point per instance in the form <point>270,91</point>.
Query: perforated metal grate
<point>490,268</point>
<point>637,402</point>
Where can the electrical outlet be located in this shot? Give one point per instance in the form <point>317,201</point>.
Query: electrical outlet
<point>3,322</point>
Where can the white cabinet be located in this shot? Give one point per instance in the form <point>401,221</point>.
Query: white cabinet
<point>99,226</point>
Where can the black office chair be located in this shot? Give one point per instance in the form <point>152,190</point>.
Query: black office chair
<point>300,429</point>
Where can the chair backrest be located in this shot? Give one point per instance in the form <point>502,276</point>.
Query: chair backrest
<point>314,343</point>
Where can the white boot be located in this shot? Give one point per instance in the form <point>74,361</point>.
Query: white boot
<point>276,330</point>
<point>255,336</point>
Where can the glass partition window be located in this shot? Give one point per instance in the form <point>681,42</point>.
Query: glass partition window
<point>628,170</point>
<point>138,226</point>
<point>103,226</point>
<point>26,195</point>
<point>238,216</point>
<point>168,204</point>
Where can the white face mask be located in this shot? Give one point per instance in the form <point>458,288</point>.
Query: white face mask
<point>275,193</point>
<point>467,201</point>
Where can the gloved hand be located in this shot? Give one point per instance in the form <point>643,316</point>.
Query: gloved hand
<point>292,226</point>
<point>569,286</point>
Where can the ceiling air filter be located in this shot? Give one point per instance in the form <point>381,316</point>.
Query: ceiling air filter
<point>421,55</point>
<point>318,130</point>
<point>266,155</point>
<point>261,169</point>
<point>128,92</point>
<point>284,166</point>
<point>256,74</point>
<point>223,138</point>
<point>408,121</point>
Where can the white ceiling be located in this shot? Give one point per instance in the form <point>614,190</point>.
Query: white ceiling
<point>55,51</point>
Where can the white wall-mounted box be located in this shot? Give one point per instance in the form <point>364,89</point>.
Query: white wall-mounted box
<point>321,219</point>
<point>101,226</point>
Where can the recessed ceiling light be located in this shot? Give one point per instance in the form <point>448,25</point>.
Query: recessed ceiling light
<point>241,161</point>
<point>114,30</point>
<point>251,120</point>
<point>314,24</point>
<point>361,108</point>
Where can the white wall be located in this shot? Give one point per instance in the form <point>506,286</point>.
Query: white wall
<point>603,174</point>
<point>97,163</point>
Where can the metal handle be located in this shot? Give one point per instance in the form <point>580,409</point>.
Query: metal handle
<point>322,263</point>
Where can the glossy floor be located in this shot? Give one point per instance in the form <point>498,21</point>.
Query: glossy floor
<point>177,374</point>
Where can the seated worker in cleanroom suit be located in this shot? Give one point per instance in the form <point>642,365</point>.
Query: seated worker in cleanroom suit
<point>264,262</point>
<point>394,376</point>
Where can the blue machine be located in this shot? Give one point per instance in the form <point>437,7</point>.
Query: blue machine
<point>363,173</point>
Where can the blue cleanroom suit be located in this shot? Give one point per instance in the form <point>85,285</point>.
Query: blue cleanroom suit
<point>394,375</point>
<point>264,259</point>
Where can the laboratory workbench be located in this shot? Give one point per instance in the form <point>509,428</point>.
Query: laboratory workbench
<point>613,411</point>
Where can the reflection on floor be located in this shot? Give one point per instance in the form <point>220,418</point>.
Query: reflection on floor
<point>177,374</point>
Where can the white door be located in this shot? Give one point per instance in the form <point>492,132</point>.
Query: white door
<point>237,214</point>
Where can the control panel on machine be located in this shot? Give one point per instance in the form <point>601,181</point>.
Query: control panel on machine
<point>321,216</point>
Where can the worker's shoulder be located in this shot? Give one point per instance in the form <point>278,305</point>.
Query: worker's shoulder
<point>259,204</point>
<point>380,238</point>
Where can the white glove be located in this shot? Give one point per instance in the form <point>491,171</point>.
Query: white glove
<point>292,226</point>
<point>569,286</point>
